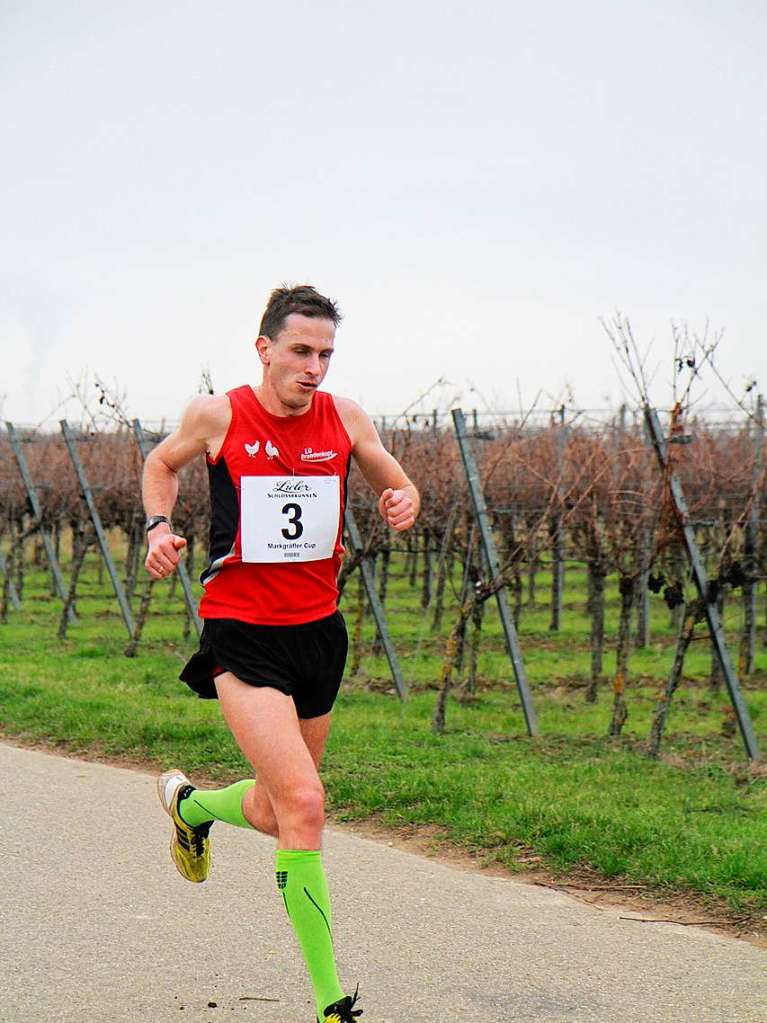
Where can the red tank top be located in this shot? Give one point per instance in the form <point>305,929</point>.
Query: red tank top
<point>277,491</point>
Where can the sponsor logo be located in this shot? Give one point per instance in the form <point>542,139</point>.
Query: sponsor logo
<point>252,449</point>
<point>271,450</point>
<point>292,487</point>
<point>309,455</point>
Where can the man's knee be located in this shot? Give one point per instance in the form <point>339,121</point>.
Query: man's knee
<point>304,804</point>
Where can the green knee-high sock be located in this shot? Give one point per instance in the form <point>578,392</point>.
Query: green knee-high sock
<point>304,887</point>
<point>202,806</point>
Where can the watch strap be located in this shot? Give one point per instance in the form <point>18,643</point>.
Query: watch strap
<point>155,520</point>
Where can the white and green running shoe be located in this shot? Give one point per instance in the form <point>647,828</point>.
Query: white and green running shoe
<point>189,847</point>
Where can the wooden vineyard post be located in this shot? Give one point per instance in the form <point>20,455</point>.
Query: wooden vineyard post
<point>645,562</point>
<point>439,599</point>
<point>82,538</point>
<point>491,558</point>
<point>643,593</point>
<point>748,642</point>
<point>558,537</point>
<point>37,511</point>
<point>5,569</point>
<point>368,580</point>
<point>85,490</point>
<point>183,574</point>
<point>692,615</point>
<point>146,598</point>
<point>701,584</point>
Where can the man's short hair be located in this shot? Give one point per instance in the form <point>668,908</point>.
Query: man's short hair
<point>303,299</point>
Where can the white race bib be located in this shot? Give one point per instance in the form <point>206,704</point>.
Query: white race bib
<point>289,518</point>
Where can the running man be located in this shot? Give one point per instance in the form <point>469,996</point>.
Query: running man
<point>274,644</point>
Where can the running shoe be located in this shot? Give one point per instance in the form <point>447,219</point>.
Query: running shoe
<point>341,1011</point>
<point>189,847</point>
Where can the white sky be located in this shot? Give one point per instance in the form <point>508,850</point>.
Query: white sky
<point>475,185</point>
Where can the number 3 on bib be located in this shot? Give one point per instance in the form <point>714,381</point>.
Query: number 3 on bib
<point>289,518</point>
<point>294,513</point>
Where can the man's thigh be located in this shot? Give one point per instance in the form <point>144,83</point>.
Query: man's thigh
<point>284,751</point>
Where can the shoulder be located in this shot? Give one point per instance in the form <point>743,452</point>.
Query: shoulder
<point>203,425</point>
<point>356,421</point>
<point>207,415</point>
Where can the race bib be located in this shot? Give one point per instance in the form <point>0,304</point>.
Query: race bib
<point>289,518</point>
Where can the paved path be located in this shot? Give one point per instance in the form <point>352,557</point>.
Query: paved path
<point>95,925</point>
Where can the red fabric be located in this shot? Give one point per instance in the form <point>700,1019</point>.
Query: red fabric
<point>279,594</point>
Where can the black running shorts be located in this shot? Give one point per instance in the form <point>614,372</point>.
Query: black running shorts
<point>303,661</point>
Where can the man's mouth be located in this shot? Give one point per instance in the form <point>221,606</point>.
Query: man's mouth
<point>307,385</point>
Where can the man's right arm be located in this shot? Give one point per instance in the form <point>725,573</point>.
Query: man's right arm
<point>202,428</point>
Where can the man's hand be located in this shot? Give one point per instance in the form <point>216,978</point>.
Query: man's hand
<point>163,556</point>
<point>397,509</point>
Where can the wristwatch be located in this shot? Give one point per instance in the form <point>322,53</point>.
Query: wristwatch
<point>155,520</point>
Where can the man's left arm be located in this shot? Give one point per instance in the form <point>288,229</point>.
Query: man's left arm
<point>399,501</point>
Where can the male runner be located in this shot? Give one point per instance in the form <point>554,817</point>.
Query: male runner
<point>274,644</point>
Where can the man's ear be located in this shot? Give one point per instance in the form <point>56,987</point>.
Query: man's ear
<point>264,348</point>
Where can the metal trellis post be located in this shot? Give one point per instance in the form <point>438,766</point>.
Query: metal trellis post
<point>87,493</point>
<point>376,606</point>
<point>701,584</point>
<point>491,556</point>
<point>37,511</point>
<point>183,574</point>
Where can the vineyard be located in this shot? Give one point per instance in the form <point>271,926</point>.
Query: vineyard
<point>591,561</point>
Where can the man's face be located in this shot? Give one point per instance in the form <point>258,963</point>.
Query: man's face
<point>297,359</point>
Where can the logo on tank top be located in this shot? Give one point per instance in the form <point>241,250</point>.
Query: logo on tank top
<point>308,455</point>
<point>271,450</point>
<point>252,449</point>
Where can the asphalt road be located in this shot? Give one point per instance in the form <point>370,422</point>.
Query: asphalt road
<point>96,925</point>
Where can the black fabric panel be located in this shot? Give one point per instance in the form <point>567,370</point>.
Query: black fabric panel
<point>346,483</point>
<point>224,512</point>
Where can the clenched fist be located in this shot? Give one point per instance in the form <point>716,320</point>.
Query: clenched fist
<point>163,554</point>
<point>397,509</point>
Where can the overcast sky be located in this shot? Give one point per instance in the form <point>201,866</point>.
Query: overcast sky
<point>475,184</point>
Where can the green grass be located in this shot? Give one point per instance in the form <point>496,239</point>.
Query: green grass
<point>695,821</point>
